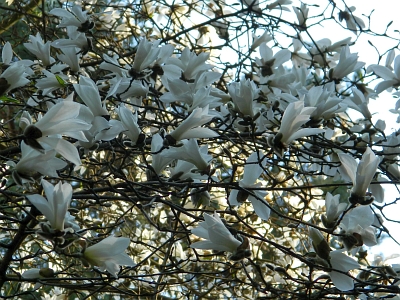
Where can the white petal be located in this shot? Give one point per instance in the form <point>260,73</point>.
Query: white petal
<point>349,166</point>
<point>383,72</point>
<point>261,208</point>
<point>304,132</point>
<point>209,245</point>
<point>341,281</point>
<point>63,147</point>
<point>43,206</point>
<point>233,198</point>
<point>7,53</point>
<point>252,169</point>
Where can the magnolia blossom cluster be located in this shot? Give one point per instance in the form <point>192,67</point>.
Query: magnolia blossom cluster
<point>79,114</point>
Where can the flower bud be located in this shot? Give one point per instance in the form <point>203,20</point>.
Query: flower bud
<point>352,240</point>
<point>199,197</point>
<point>46,272</point>
<point>320,245</point>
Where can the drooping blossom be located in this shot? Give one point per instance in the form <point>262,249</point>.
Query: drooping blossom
<point>60,119</point>
<point>216,235</point>
<point>77,17</point>
<point>390,76</point>
<point>341,262</point>
<point>13,77</point>
<point>190,152</point>
<point>357,229</point>
<point>336,260</point>
<point>33,162</point>
<point>190,127</point>
<point>352,22</point>
<point>109,254</point>
<point>252,172</point>
<point>159,160</point>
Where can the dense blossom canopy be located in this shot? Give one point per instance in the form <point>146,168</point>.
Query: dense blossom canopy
<point>194,149</point>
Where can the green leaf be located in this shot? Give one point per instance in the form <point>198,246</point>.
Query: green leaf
<point>60,81</point>
<point>8,99</point>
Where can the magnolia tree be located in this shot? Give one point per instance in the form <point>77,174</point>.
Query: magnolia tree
<point>201,149</point>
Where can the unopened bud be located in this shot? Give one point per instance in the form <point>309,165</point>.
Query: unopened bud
<point>320,245</point>
<point>242,196</point>
<point>46,272</point>
<point>169,141</point>
<point>328,224</point>
<point>389,270</point>
<point>199,197</point>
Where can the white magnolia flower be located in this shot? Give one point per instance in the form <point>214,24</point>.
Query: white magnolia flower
<point>112,64</point>
<point>146,54</point>
<point>243,94</point>
<point>158,160</point>
<point>257,41</point>
<point>347,64</point>
<point>33,162</point>
<point>293,118</point>
<point>319,243</point>
<point>391,78</point>
<point>129,121</point>
<point>301,14</point>
<point>182,91</point>
<point>326,103</point>
<point>126,88</point>
<point>190,152</point>
<point>60,119</point>
<point>337,260</point>
<point>88,91</point>
<point>333,209</point>
<point>102,127</point>
<point>70,57</point>
<point>76,39</point>
<point>14,76</point>
<point>356,225</point>
<point>217,236</point>
<point>352,22</point>
<point>51,82</point>
<point>190,127</point>
<point>361,173</point>
<point>40,49</point>
<point>189,64</point>
<point>109,254</point>
<point>56,206</point>
<point>76,17</point>
<point>324,52</point>
<point>252,172</point>
<point>269,62</point>
<point>359,102</point>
